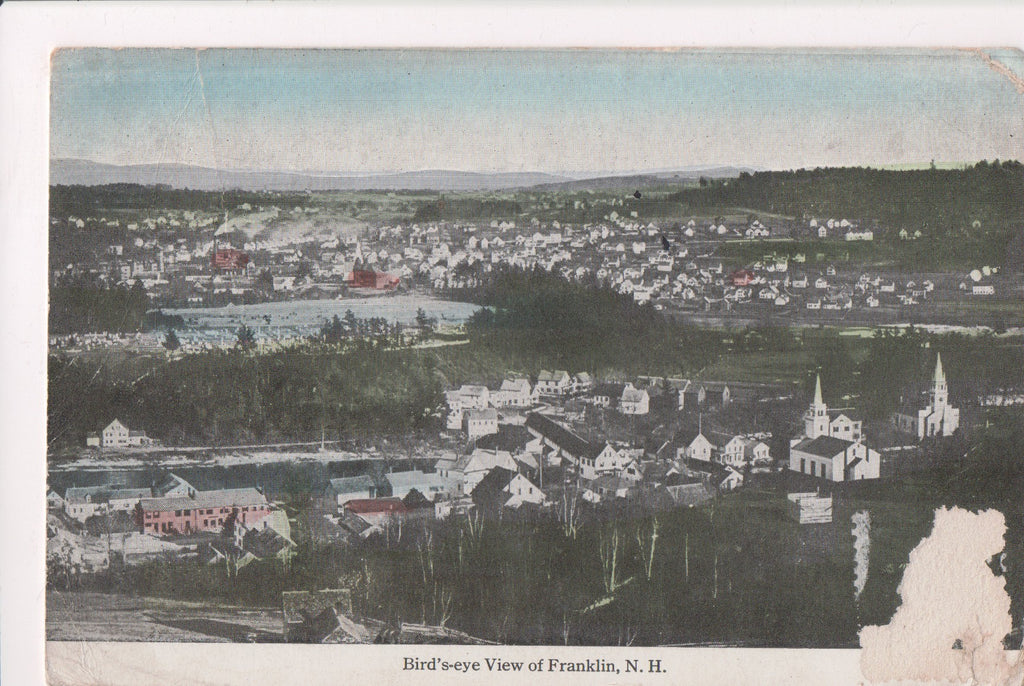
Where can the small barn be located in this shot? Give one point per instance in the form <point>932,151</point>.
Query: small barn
<point>809,508</point>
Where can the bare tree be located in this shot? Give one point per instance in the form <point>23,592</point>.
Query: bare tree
<point>647,543</point>
<point>569,512</point>
<point>608,549</point>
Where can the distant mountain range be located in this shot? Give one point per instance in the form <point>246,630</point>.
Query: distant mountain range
<point>74,172</point>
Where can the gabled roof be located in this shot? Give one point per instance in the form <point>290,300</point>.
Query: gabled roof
<point>264,542</point>
<point>225,497</point>
<point>678,479</point>
<point>527,461</point>
<point>510,437</point>
<point>489,414</point>
<point>491,489</point>
<point>516,385</point>
<point>633,395</point>
<point>823,446</point>
<point>78,494</point>
<point>495,480</point>
<point>352,484</point>
<point>749,444</point>
<point>721,438</point>
<point>116,422</point>
<point>481,459</point>
<point>352,522</point>
<point>686,437</point>
<point>169,483</point>
<point>412,479</point>
<point>561,436</point>
<point>557,375</point>
<point>689,493</point>
<point>451,461</point>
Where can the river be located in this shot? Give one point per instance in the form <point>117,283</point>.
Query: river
<point>304,317</point>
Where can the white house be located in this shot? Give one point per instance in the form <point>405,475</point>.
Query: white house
<point>755,451</point>
<point>480,422</point>
<point>471,469</point>
<point>843,426</point>
<point>695,446</point>
<point>583,382</point>
<point>513,393</point>
<point>599,459</point>
<point>556,383</point>
<point>521,490</point>
<point>117,435</point>
<point>730,451</point>
<point>634,401</point>
<point>459,401</point>
<point>474,397</point>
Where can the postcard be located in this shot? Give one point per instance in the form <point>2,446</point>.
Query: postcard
<point>596,365</point>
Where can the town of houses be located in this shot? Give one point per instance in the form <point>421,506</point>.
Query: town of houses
<point>525,443</point>
<point>674,265</point>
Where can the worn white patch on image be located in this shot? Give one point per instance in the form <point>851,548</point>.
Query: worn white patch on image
<point>955,611</point>
<point>861,550</point>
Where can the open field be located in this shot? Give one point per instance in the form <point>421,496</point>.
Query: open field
<point>73,616</point>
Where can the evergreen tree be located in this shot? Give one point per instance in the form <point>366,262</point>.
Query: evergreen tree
<point>246,338</point>
<point>171,341</point>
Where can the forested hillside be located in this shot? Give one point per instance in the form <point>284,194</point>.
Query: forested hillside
<point>978,210</point>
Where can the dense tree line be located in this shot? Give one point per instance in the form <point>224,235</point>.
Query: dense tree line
<point>234,397</point>
<point>537,318</point>
<point>900,364</point>
<point>708,574</point>
<point>86,200</point>
<point>971,213</point>
<point>80,307</point>
<point>466,209</point>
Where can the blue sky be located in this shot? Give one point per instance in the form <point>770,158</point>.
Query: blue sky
<point>569,111</point>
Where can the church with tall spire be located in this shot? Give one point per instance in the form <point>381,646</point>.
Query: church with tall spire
<point>832,445</point>
<point>937,417</point>
<point>821,421</point>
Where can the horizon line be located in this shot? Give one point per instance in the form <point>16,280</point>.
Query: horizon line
<point>570,175</point>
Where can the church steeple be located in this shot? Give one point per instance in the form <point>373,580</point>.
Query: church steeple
<point>939,392</point>
<point>816,417</point>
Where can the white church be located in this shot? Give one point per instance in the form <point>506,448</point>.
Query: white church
<point>937,418</point>
<point>832,446</point>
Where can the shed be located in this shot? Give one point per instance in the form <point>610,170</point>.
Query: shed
<point>809,508</point>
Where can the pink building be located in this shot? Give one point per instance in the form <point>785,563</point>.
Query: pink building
<point>204,511</point>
